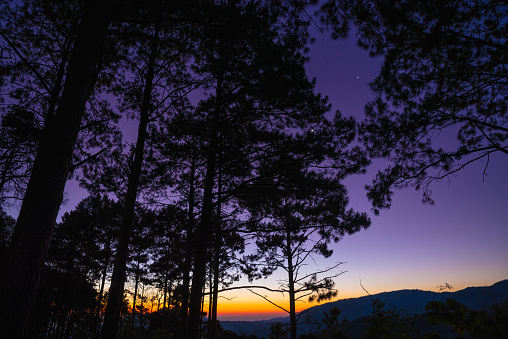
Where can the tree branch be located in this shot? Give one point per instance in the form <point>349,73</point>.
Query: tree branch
<point>271,302</point>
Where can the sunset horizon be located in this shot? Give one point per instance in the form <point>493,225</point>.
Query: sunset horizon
<point>257,310</point>
<point>168,165</point>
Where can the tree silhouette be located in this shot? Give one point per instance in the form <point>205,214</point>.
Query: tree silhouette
<point>19,132</point>
<point>444,73</point>
<point>32,68</point>
<point>466,322</point>
<point>166,252</point>
<point>116,290</point>
<point>6,228</point>
<point>137,266</point>
<point>51,167</point>
<point>259,91</point>
<point>158,65</point>
<point>81,252</point>
<point>302,207</point>
<point>38,38</point>
<point>257,122</point>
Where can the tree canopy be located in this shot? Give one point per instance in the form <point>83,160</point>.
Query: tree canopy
<point>443,74</point>
<point>255,140</point>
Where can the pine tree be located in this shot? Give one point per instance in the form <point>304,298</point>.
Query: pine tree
<point>51,166</point>
<point>301,207</point>
<point>443,73</point>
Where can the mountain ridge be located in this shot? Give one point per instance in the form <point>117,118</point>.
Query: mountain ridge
<point>409,301</point>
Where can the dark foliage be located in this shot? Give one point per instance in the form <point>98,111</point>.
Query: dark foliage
<point>444,74</point>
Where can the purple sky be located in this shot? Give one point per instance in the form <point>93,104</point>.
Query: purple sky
<point>461,240</point>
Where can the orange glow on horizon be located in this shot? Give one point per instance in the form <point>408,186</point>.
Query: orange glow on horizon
<point>254,305</point>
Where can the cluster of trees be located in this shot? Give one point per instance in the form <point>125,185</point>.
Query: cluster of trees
<point>232,140</point>
<point>448,319</point>
<point>232,145</point>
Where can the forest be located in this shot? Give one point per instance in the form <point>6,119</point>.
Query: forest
<point>235,165</point>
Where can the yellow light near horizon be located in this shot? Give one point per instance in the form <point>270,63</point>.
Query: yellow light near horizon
<point>259,306</point>
<point>247,303</point>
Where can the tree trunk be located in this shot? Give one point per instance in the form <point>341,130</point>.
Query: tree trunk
<point>170,289</point>
<point>116,290</point>
<point>68,325</point>
<point>32,235</point>
<point>292,304</point>
<point>205,225</point>
<point>188,250</point>
<point>215,294</point>
<point>166,301</point>
<point>217,252</point>
<point>101,295</point>
<point>134,298</point>
<point>59,80</point>
<point>210,301</point>
<point>165,292</point>
<point>141,306</point>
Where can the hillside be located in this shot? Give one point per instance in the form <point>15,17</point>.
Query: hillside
<point>411,302</point>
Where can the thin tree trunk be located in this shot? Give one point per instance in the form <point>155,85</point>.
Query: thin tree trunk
<point>99,298</point>
<point>210,300</point>
<point>188,249</point>
<point>68,323</point>
<point>134,298</point>
<point>215,294</point>
<point>52,324</point>
<point>61,323</point>
<point>217,252</point>
<point>166,301</point>
<point>141,310</point>
<point>80,314</point>
<point>170,288</point>
<point>32,235</point>
<point>165,292</point>
<point>59,80</point>
<point>116,290</point>
<point>200,329</point>
<point>167,314</point>
<point>292,305</point>
<point>205,226</point>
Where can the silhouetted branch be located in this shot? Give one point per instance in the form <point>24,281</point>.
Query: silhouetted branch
<point>27,63</point>
<point>271,302</point>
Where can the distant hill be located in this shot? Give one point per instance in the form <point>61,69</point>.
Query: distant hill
<point>412,302</point>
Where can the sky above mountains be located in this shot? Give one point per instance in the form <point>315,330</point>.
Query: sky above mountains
<point>461,240</point>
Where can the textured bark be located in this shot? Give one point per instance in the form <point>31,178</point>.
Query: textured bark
<point>116,290</point>
<point>32,234</point>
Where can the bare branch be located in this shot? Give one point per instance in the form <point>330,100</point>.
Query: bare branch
<point>271,302</point>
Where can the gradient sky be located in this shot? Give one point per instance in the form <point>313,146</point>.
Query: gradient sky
<point>462,240</point>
